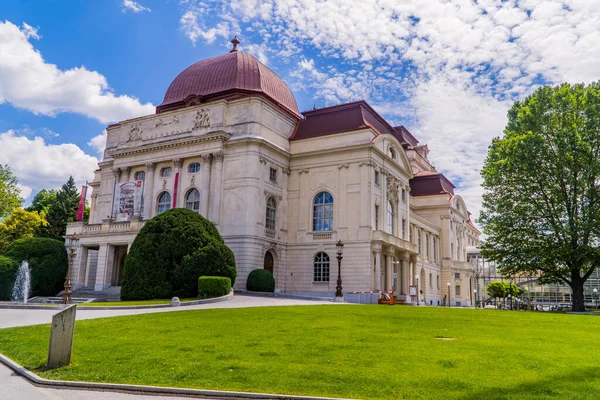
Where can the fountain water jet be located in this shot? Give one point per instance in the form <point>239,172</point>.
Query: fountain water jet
<point>22,286</point>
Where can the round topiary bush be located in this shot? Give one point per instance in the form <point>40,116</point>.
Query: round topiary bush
<point>48,261</point>
<point>170,253</point>
<point>213,286</point>
<point>8,271</point>
<point>260,280</point>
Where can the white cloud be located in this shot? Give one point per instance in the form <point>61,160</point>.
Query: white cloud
<point>135,7</point>
<point>98,143</point>
<point>30,32</point>
<point>195,30</point>
<point>27,81</point>
<point>39,165</point>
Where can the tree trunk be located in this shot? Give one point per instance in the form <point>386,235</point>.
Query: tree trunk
<point>577,288</point>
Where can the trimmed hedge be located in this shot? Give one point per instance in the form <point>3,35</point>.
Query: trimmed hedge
<point>8,272</point>
<point>260,280</point>
<point>48,261</point>
<point>170,253</point>
<point>213,286</point>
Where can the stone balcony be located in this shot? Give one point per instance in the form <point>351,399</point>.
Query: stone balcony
<point>107,226</point>
<point>392,240</point>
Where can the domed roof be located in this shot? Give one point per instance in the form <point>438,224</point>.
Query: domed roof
<point>232,73</point>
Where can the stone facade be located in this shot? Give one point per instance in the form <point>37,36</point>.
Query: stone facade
<point>259,181</point>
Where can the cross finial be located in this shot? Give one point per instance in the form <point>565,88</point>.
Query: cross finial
<point>235,42</point>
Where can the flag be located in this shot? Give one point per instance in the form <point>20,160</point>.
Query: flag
<point>81,208</point>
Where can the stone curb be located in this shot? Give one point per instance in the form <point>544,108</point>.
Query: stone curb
<point>82,306</point>
<point>141,389</point>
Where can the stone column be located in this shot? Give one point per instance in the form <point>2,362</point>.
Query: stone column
<point>377,270</point>
<point>384,200</point>
<point>216,187</point>
<point>102,268</point>
<point>366,203</point>
<point>117,176</point>
<point>177,163</point>
<point>79,273</point>
<point>205,184</point>
<point>388,272</point>
<point>94,199</point>
<point>148,201</point>
<point>341,208</point>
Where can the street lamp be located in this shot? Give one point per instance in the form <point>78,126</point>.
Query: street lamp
<point>338,289</point>
<point>475,297</point>
<point>448,284</point>
<point>417,277</point>
<point>66,297</point>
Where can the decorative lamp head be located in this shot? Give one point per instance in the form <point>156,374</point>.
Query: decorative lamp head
<point>448,284</point>
<point>340,247</point>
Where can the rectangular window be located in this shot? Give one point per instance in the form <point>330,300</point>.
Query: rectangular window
<point>273,175</point>
<point>404,195</point>
<point>376,216</point>
<point>457,275</point>
<point>376,177</point>
<point>410,234</point>
<point>430,281</point>
<point>427,245</point>
<point>438,282</point>
<point>419,241</point>
<point>403,228</point>
<point>434,249</point>
<point>457,290</point>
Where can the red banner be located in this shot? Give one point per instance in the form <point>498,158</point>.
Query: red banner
<point>175,187</point>
<point>81,208</point>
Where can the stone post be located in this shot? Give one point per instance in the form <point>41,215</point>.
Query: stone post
<point>148,201</point>
<point>61,338</point>
<point>216,184</point>
<point>205,184</point>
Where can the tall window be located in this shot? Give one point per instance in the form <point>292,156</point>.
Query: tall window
<point>419,240</point>
<point>193,168</point>
<point>457,290</point>
<point>410,234</point>
<point>403,195</point>
<point>376,216</point>
<point>139,176</point>
<point>458,249</point>
<point>427,245</point>
<point>390,221</point>
<point>403,228</point>
<point>192,200</point>
<point>164,202</point>
<point>430,281</point>
<point>271,213</point>
<point>273,175</point>
<point>434,249</point>
<point>376,177</point>
<point>321,267</point>
<point>323,212</point>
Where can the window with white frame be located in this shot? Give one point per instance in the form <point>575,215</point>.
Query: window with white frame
<point>192,200</point>
<point>193,168</point>
<point>390,220</point>
<point>376,217</point>
<point>323,212</point>
<point>165,172</point>
<point>164,202</point>
<point>271,214</point>
<point>139,176</point>
<point>321,267</point>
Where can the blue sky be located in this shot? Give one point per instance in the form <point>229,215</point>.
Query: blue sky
<point>447,69</point>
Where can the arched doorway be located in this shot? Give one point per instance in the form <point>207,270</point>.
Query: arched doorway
<point>268,262</point>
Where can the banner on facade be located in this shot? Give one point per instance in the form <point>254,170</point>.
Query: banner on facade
<point>128,198</point>
<point>81,208</point>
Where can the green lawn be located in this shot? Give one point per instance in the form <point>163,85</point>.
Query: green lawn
<point>131,303</point>
<point>334,350</point>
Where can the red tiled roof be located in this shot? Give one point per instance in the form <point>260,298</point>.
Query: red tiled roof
<point>232,73</point>
<point>341,118</point>
<point>426,183</point>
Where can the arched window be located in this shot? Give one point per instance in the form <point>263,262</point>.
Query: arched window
<point>321,267</point>
<point>192,200</point>
<point>323,212</point>
<point>194,167</point>
<point>390,220</point>
<point>164,202</point>
<point>139,176</point>
<point>271,213</point>
<point>165,172</point>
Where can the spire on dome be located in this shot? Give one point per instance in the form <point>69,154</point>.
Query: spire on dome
<point>235,42</point>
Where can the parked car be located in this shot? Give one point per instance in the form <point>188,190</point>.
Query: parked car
<point>564,307</point>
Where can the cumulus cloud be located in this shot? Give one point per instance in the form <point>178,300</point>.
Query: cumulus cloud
<point>133,6</point>
<point>449,69</point>
<point>39,165</point>
<point>98,143</point>
<point>27,81</point>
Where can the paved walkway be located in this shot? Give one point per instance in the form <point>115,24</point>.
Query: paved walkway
<point>17,317</point>
<point>14,387</point>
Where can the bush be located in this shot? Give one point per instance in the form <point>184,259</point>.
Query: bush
<point>8,270</point>
<point>48,261</point>
<point>170,253</point>
<point>260,280</point>
<point>213,286</point>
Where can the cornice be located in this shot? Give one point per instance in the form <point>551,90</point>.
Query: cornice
<point>222,136</point>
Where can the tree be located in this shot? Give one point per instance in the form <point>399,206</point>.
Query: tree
<point>42,201</point>
<point>62,210</point>
<point>20,224</point>
<point>10,195</point>
<point>541,208</point>
<point>496,290</point>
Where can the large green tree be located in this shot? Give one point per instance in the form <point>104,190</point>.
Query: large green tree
<point>10,195</point>
<point>20,224</point>
<point>541,209</point>
<point>43,200</point>
<point>62,210</point>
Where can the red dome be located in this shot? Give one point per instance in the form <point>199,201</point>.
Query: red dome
<point>232,73</point>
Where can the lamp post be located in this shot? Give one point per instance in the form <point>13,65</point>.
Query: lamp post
<point>475,297</point>
<point>339,296</point>
<point>66,297</point>
<point>595,291</point>
<point>448,284</point>
<point>417,277</point>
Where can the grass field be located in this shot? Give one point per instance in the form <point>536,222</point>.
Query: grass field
<point>132,303</point>
<point>374,352</point>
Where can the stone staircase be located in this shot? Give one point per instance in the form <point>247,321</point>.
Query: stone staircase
<point>109,294</point>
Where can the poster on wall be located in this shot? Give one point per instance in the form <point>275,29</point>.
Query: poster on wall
<point>128,200</point>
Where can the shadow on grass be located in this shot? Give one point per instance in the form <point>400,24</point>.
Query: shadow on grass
<point>583,383</point>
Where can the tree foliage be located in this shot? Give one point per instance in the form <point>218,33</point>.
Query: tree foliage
<point>541,209</point>
<point>61,210</point>
<point>8,270</point>
<point>260,280</point>
<point>10,195</point>
<point>496,289</point>
<point>170,253</point>
<point>20,224</point>
<point>42,201</point>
